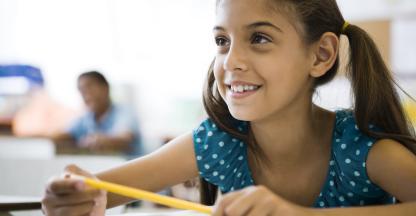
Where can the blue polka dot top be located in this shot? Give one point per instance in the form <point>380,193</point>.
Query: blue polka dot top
<point>222,161</point>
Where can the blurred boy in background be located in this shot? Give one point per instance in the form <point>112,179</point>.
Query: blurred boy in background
<point>105,127</point>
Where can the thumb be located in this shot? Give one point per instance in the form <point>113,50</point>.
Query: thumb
<point>74,169</point>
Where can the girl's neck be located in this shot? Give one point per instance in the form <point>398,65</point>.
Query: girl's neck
<point>294,135</point>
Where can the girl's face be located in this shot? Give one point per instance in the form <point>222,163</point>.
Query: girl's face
<point>261,66</point>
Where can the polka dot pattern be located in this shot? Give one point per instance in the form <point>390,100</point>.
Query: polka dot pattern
<point>222,161</point>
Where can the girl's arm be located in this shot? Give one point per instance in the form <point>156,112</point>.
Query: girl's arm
<point>389,165</point>
<point>172,164</point>
<point>392,167</point>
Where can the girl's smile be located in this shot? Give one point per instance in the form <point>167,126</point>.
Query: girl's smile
<point>239,89</point>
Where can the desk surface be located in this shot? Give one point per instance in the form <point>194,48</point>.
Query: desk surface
<point>13,203</point>
<point>167,213</point>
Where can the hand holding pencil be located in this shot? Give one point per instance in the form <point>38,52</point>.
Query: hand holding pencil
<point>69,196</point>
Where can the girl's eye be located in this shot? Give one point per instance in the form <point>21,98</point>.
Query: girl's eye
<point>258,38</point>
<point>221,41</point>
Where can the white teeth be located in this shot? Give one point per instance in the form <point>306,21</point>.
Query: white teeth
<point>243,88</point>
<point>240,88</point>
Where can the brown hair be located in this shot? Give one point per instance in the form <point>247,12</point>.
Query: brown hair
<point>376,100</point>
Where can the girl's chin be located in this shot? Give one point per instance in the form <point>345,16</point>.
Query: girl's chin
<point>243,115</point>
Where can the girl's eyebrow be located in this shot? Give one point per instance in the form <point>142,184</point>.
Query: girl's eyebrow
<point>252,25</point>
<point>264,23</point>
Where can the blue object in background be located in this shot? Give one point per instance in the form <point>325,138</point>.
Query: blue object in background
<point>32,74</point>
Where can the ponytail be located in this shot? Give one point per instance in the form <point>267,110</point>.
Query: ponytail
<point>376,101</point>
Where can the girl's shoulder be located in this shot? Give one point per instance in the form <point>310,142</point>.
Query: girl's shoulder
<point>348,173</point>
<point>221,157</point>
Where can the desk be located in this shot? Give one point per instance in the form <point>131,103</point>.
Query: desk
<point>17,203</point>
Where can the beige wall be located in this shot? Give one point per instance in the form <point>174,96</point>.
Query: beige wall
<point>379,30</point>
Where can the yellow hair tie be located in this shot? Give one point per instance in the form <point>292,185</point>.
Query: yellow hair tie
<point>346,24</point>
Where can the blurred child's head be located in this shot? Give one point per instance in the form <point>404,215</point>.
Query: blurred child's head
<point>94,90</point>
<point>273,53</point>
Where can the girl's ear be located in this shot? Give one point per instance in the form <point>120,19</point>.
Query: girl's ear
<point>325,53</point>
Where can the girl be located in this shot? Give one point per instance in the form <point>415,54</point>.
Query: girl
<point>266,146</point>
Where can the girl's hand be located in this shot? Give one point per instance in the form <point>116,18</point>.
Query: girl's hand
<point>256,201</point>
<point>71,197</point>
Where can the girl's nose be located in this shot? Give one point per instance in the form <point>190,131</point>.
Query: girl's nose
<point>235,60</point>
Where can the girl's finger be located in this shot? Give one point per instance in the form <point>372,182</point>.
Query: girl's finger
<point>74,210</point>
<point>76,170</point>
<point>263,208</point>
<point>244,203</point>
<point>64,186</point>
<point>72,199</point>
<point>223,202</point>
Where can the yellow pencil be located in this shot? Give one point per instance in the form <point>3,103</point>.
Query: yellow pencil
<point>144,195</point>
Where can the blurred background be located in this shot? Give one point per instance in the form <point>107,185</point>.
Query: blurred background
<point>155,54</point>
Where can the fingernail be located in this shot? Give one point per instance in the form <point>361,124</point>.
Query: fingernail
<point>80,185</point>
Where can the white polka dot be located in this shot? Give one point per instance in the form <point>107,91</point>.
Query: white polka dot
<point>198,157</point>
<point>320,194</point>
<point>198,140</point>
<point>214,156</point>
<point>205,147</point>
<point>234,140</point>
<point>365,190</point>
<point>232,188</point>
<point>322,204</point>
<point>215,173</point>
<point>343,146</point>
<point>362,202</point>
<point>235,170</point>
<point>357,152</point>
<point>347,160</point>
<point>240,158</point>
<point>352,183</point>
<point>206,166</point>
<point>210,133</point>
<point>239,175</point>
<point>356,173</point>
<point>332,173</point>
<point>350,194</point>
<point>221,144</point>
<point>214,125</point>
<point>342,173</point>
<point>341,198</point>
<point>363,164</point>
<point>243,182</point>
<point>228,166</point>
<point>369,144</point>
<point>356,139</point>
<point>222,177</point>
<point>331,183</point>
<point>338,140</point>
<point>241,144</point>
<point>222,162</point>
<point>240,128</point>
<point>201,128</point>
<point>356,127</point>
<point>331,194</point>
<point>331,162</point>
<point>367,181</point>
